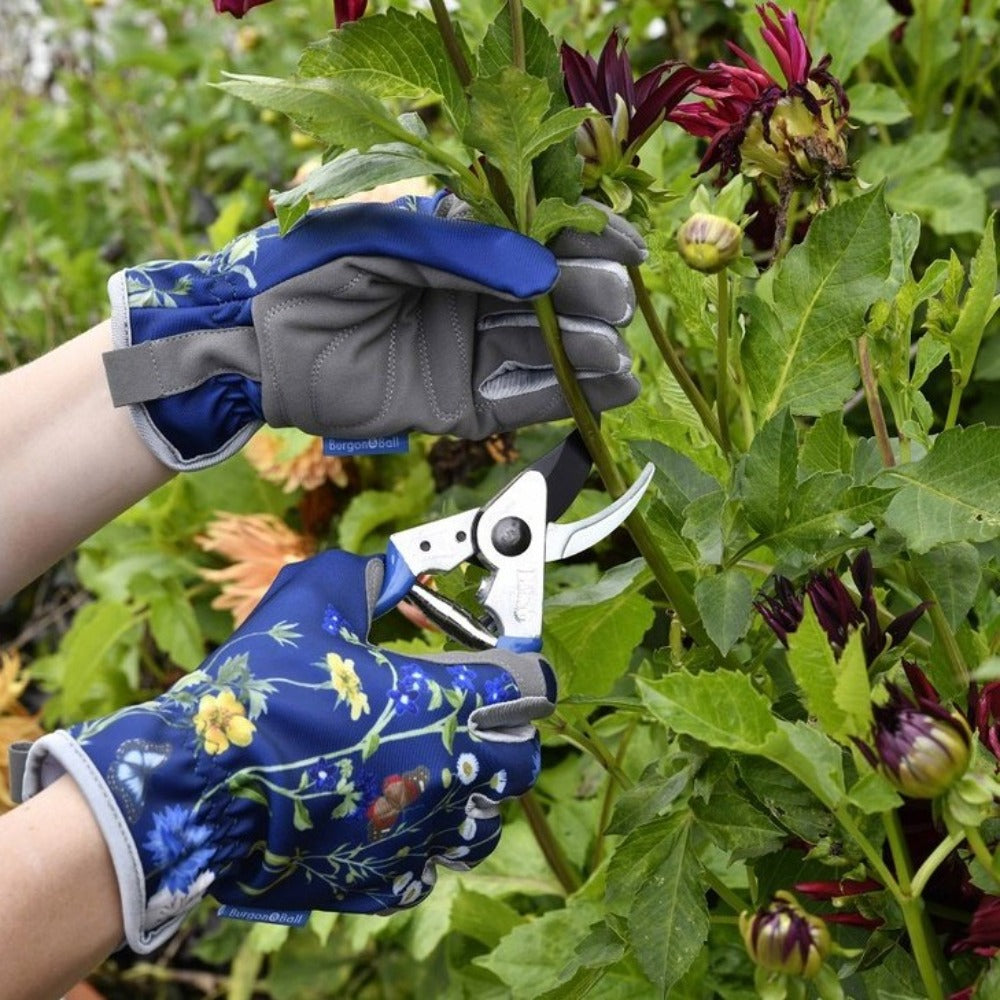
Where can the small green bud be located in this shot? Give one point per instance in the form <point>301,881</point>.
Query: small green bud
<point>785,938</point>
<point>709,243</point>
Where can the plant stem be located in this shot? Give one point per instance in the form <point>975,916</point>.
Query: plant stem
<point>933,861</point>
<point>548,843</point>
<point>677,369</point>
<point>592,745</point>
<point>878,866</point>
<point>670,583</point>
<point>923,941</point>
<point>723,891</point>
<point>875,411</point>
<point>953,404</point>
<point>722,361</point>
<point>451,44</point>
<point>983,854</point>
<point>517,32</point>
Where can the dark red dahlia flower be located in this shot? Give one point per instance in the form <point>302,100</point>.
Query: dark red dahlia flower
<point>837,610</point>
<point>793,132</point>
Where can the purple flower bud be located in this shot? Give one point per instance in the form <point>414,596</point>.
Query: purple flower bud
<point>920,746</point>
<point>785,938</point>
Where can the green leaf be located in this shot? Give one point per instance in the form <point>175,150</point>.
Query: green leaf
<point>173,623</point>
<point>351,172</point>
<point>83,672</point>
<point>541,52</point>
<point>849,29</point>
<point>825,509</point>
<point>677,479</point>
<point>950,494</point>
<point>724,602</point>
<point>590,631</point>
<point>736,826</point>
<point>786,798</point>
<point>826,447</point>
<point>508,124</point>
<point>953,574</point>
<point>978,306</point>
<point>798,353</point>
<point>722,709</point>
<point>395,55</point>
<point>809,754</point>
<point>530,958</point>
<point>852,690</point>
<point>654,793</point>
<point>768,473</point>
<point>333,110</point>
<point>877,104</point>
<point>654,881</point>
<point>376,509</point>
<point>553,214</point>
<point>484,918</point>
<point>946,198</point>
<point>872,794</point>
<point>814,666</point>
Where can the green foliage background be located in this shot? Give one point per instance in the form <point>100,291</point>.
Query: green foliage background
<point>671,768</point>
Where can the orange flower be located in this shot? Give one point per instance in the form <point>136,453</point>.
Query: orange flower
<point>16,723</point>
<point>294,460</point>
<point>258,545</point>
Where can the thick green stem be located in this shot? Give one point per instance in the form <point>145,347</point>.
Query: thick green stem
<point>670,583</point>
<point>953,404</point>
<point>875,410</point>
<point>982,852</point>
<point>933,861</point>
<point>451,44</point>
<point>878,866</point>
<point>674,363</point>
<point>923,941</point>
<point>548,843</point>
<point>722,362</point>
<point>517,32</point>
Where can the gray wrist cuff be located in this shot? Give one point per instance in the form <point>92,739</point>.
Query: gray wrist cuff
<point>145,372</point>
<point>57,754</point>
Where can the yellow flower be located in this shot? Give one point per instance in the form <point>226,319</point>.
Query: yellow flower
<point>295,460</point>
<point>259,545</point>
<point>221,720</point>
<point>347,684</point>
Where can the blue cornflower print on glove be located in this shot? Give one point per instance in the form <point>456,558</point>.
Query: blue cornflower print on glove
<point>301,767</point>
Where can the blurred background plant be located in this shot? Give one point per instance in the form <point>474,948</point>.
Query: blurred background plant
<point>116,149</point>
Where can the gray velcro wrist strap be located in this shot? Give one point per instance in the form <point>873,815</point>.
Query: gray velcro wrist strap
<point>161,368</point>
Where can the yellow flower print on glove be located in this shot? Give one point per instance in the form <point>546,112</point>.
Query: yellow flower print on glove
<point>221,720</point>
<point>347,684</point>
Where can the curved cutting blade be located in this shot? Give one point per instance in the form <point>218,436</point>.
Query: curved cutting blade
<point>565,540</point>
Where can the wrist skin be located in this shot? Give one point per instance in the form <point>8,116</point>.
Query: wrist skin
<point>61,913</point>
<point>69,461</point>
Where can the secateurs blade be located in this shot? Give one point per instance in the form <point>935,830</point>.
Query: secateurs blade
<point>512,535</point>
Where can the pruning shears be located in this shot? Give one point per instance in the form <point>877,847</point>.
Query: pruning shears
<point>512,535</point>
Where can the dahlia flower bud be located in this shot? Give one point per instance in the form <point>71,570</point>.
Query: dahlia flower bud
<point>921,747</point>
<point>709,242</point>
<point>785,938</point>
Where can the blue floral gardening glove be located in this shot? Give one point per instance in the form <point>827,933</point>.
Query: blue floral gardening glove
<point>366,321</point>
<point>301,768</point>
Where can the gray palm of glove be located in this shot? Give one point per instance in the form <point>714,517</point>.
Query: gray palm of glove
<point>434,333</point>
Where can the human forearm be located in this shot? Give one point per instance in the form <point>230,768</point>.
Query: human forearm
<point>69,460</point>
<point>61,912</point>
